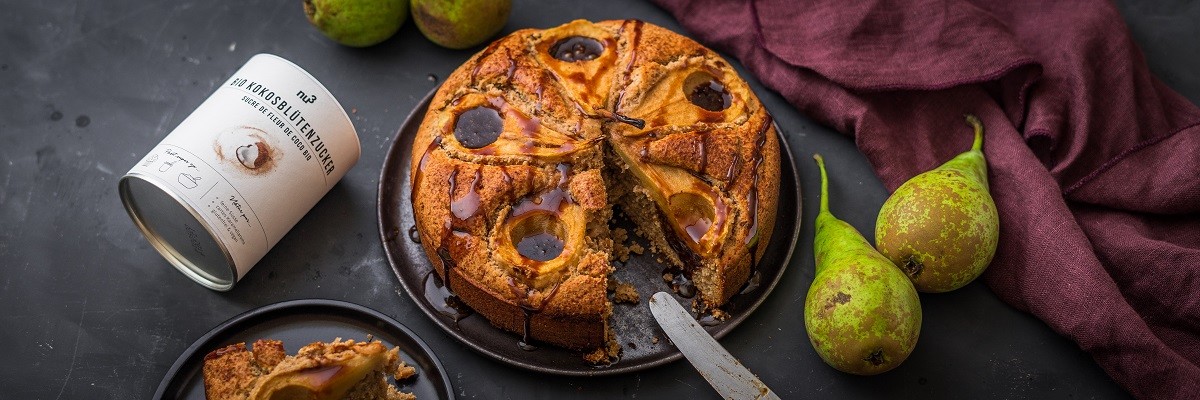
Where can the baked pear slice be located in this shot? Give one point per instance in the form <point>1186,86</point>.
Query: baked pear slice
<point>321,371</point>
<point>581,55</point>
<point>543,235</point>
<point>479,125</point>
<point>685,94</point>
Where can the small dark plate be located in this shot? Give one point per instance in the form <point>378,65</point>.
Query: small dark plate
<point>643,343</point>
<point>298,323</point>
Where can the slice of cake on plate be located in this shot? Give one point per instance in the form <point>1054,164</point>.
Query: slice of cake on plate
<point>341,370</point>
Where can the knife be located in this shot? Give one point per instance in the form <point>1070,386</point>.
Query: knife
<point>716,365</point>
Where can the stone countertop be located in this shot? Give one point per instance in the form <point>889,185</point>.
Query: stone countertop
<point>91,311</point>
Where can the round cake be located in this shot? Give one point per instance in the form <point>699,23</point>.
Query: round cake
<point>527,147</point>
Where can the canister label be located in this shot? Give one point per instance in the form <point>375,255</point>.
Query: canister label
<point>253,158</point>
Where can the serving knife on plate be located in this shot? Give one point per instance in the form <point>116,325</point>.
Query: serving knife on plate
<point>716,365</point>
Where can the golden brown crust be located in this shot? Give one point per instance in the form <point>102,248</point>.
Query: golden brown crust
<point>230,372</point>
<point>474,201</point>
<point>268,353</point>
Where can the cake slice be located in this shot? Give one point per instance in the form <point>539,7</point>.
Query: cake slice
<point>702,170</point>
<point>341,370</point>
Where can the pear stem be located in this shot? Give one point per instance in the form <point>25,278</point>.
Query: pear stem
<point>824,183</point>
<point>973,121</point>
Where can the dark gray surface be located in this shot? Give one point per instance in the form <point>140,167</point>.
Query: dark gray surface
<point>90,311</point>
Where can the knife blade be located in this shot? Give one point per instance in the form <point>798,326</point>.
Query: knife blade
<point>716,365</point>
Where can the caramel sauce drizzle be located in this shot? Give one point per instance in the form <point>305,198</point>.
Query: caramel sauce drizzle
<point>321,378</point>
<point>466,207</point>
<point>416,183</point>
<point>483,55</point>
<point>753,197</point>
<point>554,201</point>
<point>635,39</point>
<point>528,310</point>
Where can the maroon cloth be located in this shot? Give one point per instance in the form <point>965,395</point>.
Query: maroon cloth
<point>1093,162</point>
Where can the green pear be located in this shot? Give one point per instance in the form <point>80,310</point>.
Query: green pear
<point>357,23</point>
<point>459,24</point>
<point>941,227</point>
<point>862,313</point>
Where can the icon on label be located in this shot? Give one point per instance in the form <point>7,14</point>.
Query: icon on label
<point>248,149</point>
<point>166,165</point>
<point>188,181</point>
<point>151,160</point>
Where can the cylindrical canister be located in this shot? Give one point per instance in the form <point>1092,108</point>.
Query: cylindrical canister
<point>225,186</point>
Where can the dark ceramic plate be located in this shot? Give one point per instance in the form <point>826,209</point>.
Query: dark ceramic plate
<point>643,342</point>
<point>298,323</point>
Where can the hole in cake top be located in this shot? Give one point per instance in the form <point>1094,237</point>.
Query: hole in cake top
<point>694,214</point>
<point>478,127</point>
<point>540,247</point>
<point>538,236</point>
<point>577,48</point>
<point>706,92</point>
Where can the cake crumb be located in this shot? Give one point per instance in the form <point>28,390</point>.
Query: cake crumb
<point>636,249</point>
<point>610,353</point>
<point>719,315</point>
<point>620,235</point>
<point>403,371</point>
<point>668,277</point>
<point>654,340</point>
<point>625,293</point>
<point>620,250</point>
<point>596,357</point>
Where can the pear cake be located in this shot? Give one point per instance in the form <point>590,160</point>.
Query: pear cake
<point>527,147</point>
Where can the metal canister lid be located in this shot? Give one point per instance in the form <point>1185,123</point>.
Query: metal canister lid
<point>176,230</point>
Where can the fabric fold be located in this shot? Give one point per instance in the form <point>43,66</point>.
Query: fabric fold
<point>887,45</point>
<point>1093,162</point>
